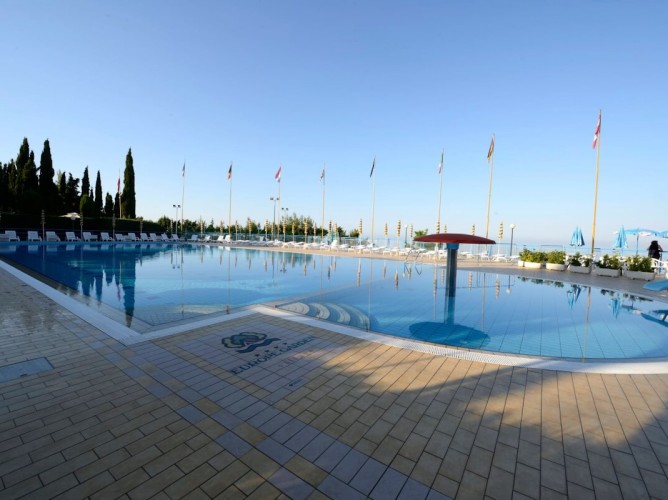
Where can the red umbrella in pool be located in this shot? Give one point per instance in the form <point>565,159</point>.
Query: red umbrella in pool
<point>452,241</point>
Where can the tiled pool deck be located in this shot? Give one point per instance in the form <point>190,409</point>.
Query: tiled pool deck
<point>318,414</point>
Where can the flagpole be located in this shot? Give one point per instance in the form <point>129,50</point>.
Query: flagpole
<point>373,199</point>
<point>120,205</point>
<point>322,224</point>
<point>229,216</point>
<point>440,189</point>
<point>489,195</point>
<point>597,135</point>
<point>183,194</point>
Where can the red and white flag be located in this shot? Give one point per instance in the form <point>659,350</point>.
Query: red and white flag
<point>277,177</point>
<point>597,132</point>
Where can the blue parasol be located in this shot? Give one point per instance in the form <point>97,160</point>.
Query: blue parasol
<point>620,240</point>
<point>639,231</point>
<point>573,295</point>
<point>577,240</point>
<point>615,304</point>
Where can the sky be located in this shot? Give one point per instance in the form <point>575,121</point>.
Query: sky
<point>308,85</point>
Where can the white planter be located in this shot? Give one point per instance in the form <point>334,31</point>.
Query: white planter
<point>533,265</point>
<point>612,273</point>
<point>555,267</point>
<point>580,269</point>
<point>639,275</point>
<point>520,263</point>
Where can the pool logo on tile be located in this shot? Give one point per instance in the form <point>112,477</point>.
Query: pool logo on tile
<point>249,340</point>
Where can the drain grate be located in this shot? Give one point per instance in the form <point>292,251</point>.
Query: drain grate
<point>24,368</point>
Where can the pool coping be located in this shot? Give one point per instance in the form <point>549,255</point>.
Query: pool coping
<point>128,336</point>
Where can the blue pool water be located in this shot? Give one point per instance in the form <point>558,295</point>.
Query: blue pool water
<point>157,285</point>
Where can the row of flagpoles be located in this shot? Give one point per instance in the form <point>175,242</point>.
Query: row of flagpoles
<point>596,144</point>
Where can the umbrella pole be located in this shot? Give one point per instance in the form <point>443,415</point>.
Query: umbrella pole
<point>451,280</point>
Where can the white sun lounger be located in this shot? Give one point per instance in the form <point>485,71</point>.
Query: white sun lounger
<point>34,236</point>
<point>52,236</point>
<point>11,236</point>
<point>105,237</point>
<point>70,236</point>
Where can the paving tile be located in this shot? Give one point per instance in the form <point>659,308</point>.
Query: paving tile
<point>290,484</point>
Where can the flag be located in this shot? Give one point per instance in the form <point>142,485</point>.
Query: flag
<point>597,132</point>
<point>440,165</point>
<point>229,172</point>
<point>183,170</point>
<point>373,167</point>
<point>277,177</point>
<point>322,175</point>
<point>490,153</point>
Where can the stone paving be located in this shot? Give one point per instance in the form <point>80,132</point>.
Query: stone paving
<point>262,407</point>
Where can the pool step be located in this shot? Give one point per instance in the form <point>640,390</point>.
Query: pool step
<point>329,311</point>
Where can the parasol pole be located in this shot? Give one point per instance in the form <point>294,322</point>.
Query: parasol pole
<point>597,145</point>
<point>440,189</point>
<point>373,195</point>
<point>322,224</point>
<point>183,194</point>
<point>490,160</point>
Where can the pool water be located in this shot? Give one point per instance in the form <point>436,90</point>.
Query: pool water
<point>158,284</point>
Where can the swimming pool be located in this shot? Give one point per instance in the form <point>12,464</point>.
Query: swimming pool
<point>149,286</point>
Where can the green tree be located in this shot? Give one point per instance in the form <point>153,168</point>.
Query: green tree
<point>85,183</point>
<point>72,194</point>
<point>97,200</point>
<point>62,191</point>
<point>108,206</point>
<point>128,195</point>
<point>87,206</point>
<point>47,187</point>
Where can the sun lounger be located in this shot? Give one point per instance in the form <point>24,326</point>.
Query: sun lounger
<point>153,237</point>
<point>88,236</point>
<point>144,237</point>
<point>175,237</point>
<point>33,236</point>
<point>70,236</point>
<point>164,237</point>
<point>11,236</point>
<point>657,285</point>
<point>52,236</point>
<point>131,237</point>
<point>194,238</point>
<point>119,237</point>
<point>105,237</point>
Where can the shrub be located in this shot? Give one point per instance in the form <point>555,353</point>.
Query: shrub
<point>556,257</point>
<point>609,262</point>
<point>639,263</point>
<point>535,256</point>
<point>577,260</point>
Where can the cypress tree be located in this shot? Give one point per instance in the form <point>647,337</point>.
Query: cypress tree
<point>47,187</point>
<point>97,198</point>
<point>85,183</point>
<point>62,192</point>
<point>128,195</point>
<point>108,205</point>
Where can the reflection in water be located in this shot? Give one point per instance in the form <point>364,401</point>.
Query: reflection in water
<point>152,286</point>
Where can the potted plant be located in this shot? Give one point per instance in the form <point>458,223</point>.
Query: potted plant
<point>639,268</point>
<point>535,259</point>
<point>579,263</point>
<point>524,253</point>
<point>609,265</point>
<point>556,260</point>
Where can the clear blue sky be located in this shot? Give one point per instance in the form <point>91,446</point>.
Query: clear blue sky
<point>302,83</point>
